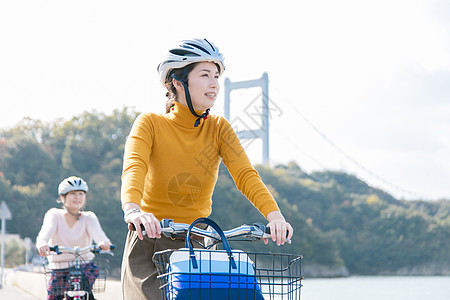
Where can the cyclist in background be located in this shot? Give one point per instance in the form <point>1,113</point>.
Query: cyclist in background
<point>171,164</point>
<point>72,227</point>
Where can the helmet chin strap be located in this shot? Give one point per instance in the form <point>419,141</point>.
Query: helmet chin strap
<point>76,215</point>
<point>189,101</point>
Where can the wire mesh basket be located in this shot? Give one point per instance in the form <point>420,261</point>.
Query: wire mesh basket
<point>273,276</point>
<point>66,276</point>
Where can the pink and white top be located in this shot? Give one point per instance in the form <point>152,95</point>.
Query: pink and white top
<point>56,231</point>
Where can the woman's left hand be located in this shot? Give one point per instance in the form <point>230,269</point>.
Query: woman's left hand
<point>105,245</point>
<point>280,230</point>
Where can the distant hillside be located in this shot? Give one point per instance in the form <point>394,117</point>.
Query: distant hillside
<point>374,233</point>
<point>342,225</point>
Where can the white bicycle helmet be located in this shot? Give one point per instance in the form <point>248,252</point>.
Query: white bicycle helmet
<point>72,183</point>
<point>188,52</point>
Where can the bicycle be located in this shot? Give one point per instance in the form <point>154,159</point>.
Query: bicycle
<point>272,275</point>
<point>76,278</point>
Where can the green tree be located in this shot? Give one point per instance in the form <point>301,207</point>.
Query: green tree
<point>14,252</point>
<point>338,218</point>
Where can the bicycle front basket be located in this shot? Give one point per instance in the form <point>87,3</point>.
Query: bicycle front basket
<point>59,278</point>
<point>279,275</point>
<point>102,265</point>
<point>212,276</point>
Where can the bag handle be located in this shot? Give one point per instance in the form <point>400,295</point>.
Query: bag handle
<point>219,230</point>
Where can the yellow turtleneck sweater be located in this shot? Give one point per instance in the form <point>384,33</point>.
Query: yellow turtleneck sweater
<point>170,167</point>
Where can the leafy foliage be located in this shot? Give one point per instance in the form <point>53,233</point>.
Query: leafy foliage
<point>374,232</point>
<point>35,157</point>
<point>14,252</point>
<point>338,219</point>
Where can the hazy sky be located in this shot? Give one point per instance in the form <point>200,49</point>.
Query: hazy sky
<point>358,86</point>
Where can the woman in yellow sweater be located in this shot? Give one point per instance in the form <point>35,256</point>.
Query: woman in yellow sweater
<point>171,164</point>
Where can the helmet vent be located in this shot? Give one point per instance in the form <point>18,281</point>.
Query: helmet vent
<point>210,45</point>
<point>183,52</point>
<point>200,48</point>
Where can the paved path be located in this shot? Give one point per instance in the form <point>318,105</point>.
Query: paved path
<point>15,293</point>
<point>31,286</point>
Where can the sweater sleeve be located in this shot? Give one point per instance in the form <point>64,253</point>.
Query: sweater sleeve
<point>136,158</point>
<point>95,229</point>
<point>48,228</point>
<point>244,174</point>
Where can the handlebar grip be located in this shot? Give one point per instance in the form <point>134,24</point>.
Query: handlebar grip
<point>55,249</point>
<point>97,249</point>
<point>266,229</point>
<point>165,223</point>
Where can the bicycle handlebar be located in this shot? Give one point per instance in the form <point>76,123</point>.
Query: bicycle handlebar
<point>256,231</point>
<point>78,250</point>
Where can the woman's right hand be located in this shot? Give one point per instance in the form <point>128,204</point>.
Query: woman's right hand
<point>151,224</point>
<point>44,250</point>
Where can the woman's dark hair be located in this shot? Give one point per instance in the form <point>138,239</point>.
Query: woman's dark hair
<point>171,90</point>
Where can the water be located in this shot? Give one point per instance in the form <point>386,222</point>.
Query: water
<point>378,288</point>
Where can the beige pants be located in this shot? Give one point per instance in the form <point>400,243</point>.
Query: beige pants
<point>139,274</point>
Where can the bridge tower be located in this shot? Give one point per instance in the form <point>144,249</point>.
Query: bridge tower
<point>263,131</point>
